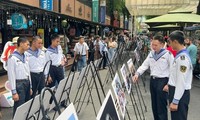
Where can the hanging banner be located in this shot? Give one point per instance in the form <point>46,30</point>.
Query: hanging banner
<point>95,10</point>
<point>46,4</point>
<point>103,11</point>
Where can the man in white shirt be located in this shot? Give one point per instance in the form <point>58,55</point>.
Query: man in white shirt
<point>159,61</point>
<point>180,78</point>
<point>81,53</point>
<point>19,74</point>
<point>37,61</point>
<point>55,54</point>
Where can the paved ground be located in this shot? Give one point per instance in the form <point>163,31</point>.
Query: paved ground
<point>87,111</point>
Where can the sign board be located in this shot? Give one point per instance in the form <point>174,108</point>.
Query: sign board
<point>46,4</point>
<point>95,10</point>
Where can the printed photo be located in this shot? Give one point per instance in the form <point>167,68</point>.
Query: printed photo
<point>131,67</point>
<point>126,78</point>
<point>119,93</point>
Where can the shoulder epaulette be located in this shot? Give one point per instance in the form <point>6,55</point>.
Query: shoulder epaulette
<point>182,57</point>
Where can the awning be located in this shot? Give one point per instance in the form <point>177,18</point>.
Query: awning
<point>166,26</point>
<point>157,7</point>
<point>174,18</point>
<point>186,9</point>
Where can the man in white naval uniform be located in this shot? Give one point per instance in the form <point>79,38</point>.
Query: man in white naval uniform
<point>180,78</point>
<point>37,61</point>
<point>159,61</point>
<point>55,54</point>
<point>19,74</point>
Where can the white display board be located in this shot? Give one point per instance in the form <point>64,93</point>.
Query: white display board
<point>68,114</point>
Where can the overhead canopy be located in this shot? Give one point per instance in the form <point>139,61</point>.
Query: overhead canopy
<point>156,7</point>
<point>192,8</point>
<point>174,18</point>
<point>166,26</point>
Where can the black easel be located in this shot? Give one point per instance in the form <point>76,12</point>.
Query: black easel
<point>67,91</point>
<point>137,63</point>
<point>113,63</point>
<point>46,65</point>
<point>44,113</point>
<point>89,85</point>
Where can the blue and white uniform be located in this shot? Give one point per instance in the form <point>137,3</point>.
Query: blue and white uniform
<point>37,61</point>
<point>159,64</point>
<point>180,84</point>
<point>56,70</point>
<point>19,77</point>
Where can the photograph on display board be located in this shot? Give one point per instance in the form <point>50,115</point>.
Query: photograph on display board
<point>108,109</point>
<point>131,67</point>
<point>120,95</point>
<point>125,76</point>
<point>68,114</point>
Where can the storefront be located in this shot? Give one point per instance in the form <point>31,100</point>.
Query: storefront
<point>37,21</point>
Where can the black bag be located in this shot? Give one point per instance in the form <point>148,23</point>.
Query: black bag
<point>74,67</point>
<point>79,56</point>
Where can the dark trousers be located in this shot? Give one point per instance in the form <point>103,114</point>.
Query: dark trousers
<point>182,112</point>
<point>91,57</point>
<point>104,60</point>
<point>38,82</point>
<point>23,90</point>
<point>57,74</point>
<point>159,98</point>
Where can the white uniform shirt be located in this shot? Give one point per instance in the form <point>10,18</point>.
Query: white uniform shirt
<point>18,68</point>
<point>81,48</point>
<point>54,54</point>
<point>159,64</point>
<point>36,60</point>
<point>181,75</point>
<point>103,47</point>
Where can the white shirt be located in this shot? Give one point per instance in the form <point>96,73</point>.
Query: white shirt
<point>18,68</point>
<point>36,60</point>
<point>181,74</point>
<point>54,54</point>
<point>103,47</point>
<point>159,65</point>
<point>81,48</point>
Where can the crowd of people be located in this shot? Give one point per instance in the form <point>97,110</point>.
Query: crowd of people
<point>28,71</point>
<point>90,48</point>
<point>28,76</point>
